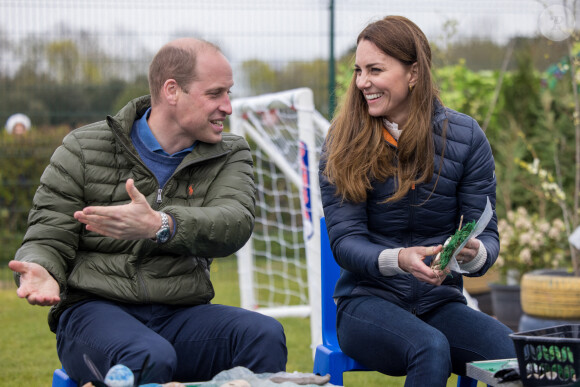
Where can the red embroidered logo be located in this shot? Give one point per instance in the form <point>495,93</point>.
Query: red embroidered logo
<point>190,190</point>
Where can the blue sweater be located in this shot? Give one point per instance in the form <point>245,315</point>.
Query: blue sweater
<point>157,160</point>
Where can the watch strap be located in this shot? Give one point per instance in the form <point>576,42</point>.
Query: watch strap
<point>164,233</point>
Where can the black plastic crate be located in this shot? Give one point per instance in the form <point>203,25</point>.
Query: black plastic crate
<point>549,356</point>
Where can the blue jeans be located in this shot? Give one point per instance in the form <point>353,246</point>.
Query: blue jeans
<point>427,348</point>
<point>185,344</point>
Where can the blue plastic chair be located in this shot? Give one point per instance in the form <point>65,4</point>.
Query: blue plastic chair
<point>61,379</point>
<point>329,358</point>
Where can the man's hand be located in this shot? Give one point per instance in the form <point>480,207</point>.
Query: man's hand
<point>411,260</point>
<point>136,220</point>
<point>36,284</point>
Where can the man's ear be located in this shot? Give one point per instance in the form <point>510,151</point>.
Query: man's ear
<point>170,91</point>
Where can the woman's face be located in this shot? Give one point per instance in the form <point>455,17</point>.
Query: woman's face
<point>384,82</point>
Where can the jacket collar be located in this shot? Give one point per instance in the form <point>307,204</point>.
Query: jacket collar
<point>439,115</point>
<point>439,112</point>
<point>389,137</point>
<point>122,122</point>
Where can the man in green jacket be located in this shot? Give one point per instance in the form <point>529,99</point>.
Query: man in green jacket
<point>130,213</point>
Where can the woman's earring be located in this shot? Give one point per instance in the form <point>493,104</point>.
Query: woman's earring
<point>410,88</point>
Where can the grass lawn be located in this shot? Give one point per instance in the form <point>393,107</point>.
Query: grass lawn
<point>28,348</point>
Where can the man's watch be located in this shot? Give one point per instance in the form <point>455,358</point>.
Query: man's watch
<point>164,232</point>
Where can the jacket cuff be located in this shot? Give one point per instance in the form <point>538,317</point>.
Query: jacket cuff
<point>476,263</point>
<point>174,228</point>
<point>389,262</point>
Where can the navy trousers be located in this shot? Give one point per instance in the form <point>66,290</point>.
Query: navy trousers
<point>185,344</point>
<point>427,348</point>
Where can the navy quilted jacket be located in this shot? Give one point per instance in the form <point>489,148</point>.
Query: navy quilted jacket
<point>360,231</point>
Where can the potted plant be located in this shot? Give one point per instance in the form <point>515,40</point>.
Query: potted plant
<point>548,294</point>
<point>551,293</point>
<point>528,242</point>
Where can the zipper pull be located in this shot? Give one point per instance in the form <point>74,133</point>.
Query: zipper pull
<point>159,191</point>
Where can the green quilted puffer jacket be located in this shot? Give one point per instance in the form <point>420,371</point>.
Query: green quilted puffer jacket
<point>210,196</point>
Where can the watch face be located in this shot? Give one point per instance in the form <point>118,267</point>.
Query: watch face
<point>163,235</point>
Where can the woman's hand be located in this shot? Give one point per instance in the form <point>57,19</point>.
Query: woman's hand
<point>469,251</point>
<point>411,260</point>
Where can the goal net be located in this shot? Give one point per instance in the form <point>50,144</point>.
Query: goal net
<point>279,267</point>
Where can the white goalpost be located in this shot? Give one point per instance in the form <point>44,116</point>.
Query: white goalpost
<point>279,267</point>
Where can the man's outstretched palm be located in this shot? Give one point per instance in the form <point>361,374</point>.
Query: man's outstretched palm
<point>36,284</point>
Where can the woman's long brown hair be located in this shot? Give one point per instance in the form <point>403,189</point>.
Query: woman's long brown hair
<point>356,151</point>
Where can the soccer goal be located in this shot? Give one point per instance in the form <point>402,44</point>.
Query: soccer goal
<point>279,267</point>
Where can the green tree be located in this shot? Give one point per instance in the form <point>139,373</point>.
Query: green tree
<point>263,78</point>
<point>64,61</point>
<point>130,91</point>
<point>466,91</point>
<point>313,74</point>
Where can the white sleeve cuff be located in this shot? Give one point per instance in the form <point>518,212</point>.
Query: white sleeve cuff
<point>476,263</point>
<point>389,262</point>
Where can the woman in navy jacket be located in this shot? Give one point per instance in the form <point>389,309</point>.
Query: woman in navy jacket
<point>398,172</point>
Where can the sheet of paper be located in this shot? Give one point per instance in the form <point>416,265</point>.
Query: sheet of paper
<point>480,225</point>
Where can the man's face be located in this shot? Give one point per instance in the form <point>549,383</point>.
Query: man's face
<point>201,111</point>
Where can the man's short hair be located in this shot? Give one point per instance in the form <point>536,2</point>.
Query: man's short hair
<point>176,61</point>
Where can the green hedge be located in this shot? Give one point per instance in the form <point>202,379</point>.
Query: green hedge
<point>22,161</point>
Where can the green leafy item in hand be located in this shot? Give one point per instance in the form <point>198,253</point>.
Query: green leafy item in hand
<point>456,240</point>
